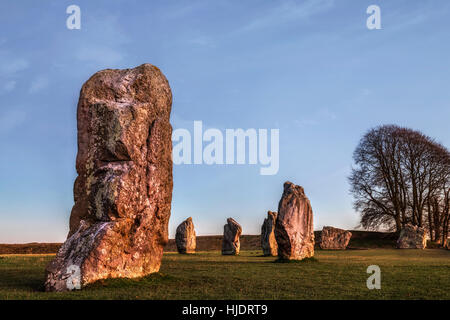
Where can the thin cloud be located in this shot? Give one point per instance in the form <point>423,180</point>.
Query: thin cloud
<point>99,54</point>
<point>202,41</point>
<point>397,20</point>
<point>38,84</point>
<point>8,86</point>
<point>10,68</point>
<point>288,11</point>
<point>11,120</point>
<point>180,10</point>
<point>10,65</point>
<point>306,122</point>
<point>103,42</point>
<point>321,116</point>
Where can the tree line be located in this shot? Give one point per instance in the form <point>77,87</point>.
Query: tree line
<point>402,176</point>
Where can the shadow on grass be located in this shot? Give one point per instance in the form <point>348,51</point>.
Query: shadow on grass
<point>150,280</point>
<point>20,280</point>
<point>185,254</point>
<point>306,260</point>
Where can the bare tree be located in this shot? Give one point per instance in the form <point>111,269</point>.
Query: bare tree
<point>401,176</point>
<point>438,209</point>
<point>377,182</point>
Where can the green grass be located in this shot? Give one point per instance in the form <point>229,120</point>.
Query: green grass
<point>406,274</point>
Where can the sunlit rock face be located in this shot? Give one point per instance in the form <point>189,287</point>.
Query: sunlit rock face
<point>185,237</point>
<point>123,192</point>
<point>294,230</point>
<point>334,238</point>
<point>231,232</point>
<point>268,241</point>
<point>412,237</point>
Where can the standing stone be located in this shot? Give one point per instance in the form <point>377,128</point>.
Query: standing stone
<point>412,237</point>
<point>268,241</point>
<point>123,192</point>
<point>231,233</point>
<point>185,237</point>
<point>294,226</point>
<point>334,238</point>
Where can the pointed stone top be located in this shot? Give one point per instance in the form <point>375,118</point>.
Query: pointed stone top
<point>232,222</point>
<point>293,188</point>
<point>272,214</point>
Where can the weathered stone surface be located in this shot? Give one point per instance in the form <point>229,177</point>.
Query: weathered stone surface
<point>268,241</point>
<point>123,192</point>
<point>412,237</point>
<point>294,226</point>
<point>231,233</point>
<point>185,237</point>
<point>334,239</point>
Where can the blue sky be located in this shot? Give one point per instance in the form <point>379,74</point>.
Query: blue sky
<point>311,69</point>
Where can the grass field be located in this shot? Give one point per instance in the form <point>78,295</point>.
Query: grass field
<point>405,274</point>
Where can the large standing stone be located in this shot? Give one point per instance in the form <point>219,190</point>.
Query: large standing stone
<point>231,233</point>
<point>123,192</point>
<point>185,237</point>
<point>334,239</point>
<point>268,241</point>
<point>294,227</point>
<point>412,237</point>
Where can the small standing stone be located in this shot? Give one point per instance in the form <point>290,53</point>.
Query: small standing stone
<point>412,237</point>
<point>185,237</point>
<point>268,241</point>
<point>294,227</point>
<point>334,238</point>
<point>231,233</point>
